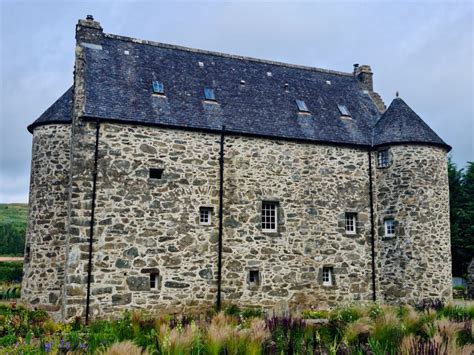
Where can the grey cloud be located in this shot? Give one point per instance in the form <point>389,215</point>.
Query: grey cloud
<point>424,50</point>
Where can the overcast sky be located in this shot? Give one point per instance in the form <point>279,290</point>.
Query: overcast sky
<point>422,49</point>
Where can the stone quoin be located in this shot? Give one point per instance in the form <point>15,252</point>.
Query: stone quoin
<point>168,178</point>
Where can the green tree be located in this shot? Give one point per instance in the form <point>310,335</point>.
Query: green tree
<point>461,201</point>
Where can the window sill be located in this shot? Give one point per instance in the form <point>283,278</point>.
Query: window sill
<point>386,238</point>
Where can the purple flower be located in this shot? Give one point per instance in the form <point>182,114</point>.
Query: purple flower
<point>47,347</point>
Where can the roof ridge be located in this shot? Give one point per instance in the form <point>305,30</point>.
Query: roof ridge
<point>225,55</point>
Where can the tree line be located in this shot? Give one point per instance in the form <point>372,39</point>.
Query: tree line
<point>461,203</point>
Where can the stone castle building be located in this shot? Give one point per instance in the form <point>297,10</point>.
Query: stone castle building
<point>169,178</point>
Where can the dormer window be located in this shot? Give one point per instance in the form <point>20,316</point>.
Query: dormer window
<point>301,106</point>
<point>158,88</point>
<point>209,94</point>
<point>344,111</point>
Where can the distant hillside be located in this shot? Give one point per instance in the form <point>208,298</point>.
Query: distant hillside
<point>12,228</point>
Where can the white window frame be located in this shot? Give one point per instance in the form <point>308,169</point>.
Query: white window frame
<point>203,213</point>
<point>350,223</point>
<point>327,276</point>
<point>269,216</point>
<point>383,158</point>
<point>155,277</point>
<point>389,226</point>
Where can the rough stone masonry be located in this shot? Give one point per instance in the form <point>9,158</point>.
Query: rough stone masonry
<point>332,201</point>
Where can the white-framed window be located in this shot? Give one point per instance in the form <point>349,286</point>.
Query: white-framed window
<point>154,278</point>
<point>269,216</point>
<point>254,277</point>
<point>383,158</point>
<point>327,276</point>
<point>389,227</point>
<point>351,223</point>
<point>205,216</point>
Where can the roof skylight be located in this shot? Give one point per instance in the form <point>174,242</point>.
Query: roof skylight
<point>301,106</point>
<point>209,94</point>
<point>158,87</point>
<point>344,111</point>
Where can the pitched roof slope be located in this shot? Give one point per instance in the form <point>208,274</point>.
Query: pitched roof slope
<point>253,96</point>
<point>119,87</point>
<point>400,124</point>
<point>59,112</point>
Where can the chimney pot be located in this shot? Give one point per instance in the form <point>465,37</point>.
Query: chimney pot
<point>90,17</point>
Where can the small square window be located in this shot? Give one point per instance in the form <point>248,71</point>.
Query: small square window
<point>351,223</point>
<point>154,278</point>
<point>158,87</point>
<point>156,173</point>
<point>205,216</point>
<point>301,106</point>
<point>389,227</point>
<point>209,94</point>
<point>254,277</point>
<point>269,216</point>
<point>327,276</point>
<point>383,158</point>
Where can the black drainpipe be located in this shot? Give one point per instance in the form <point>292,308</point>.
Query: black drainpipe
<point>91,227</point>
<point>221,207</point>
<point>372,226</point>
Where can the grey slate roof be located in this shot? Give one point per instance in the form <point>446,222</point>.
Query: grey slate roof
<point>59,112</point>
<point>118,86</point>
<point>400,124</point>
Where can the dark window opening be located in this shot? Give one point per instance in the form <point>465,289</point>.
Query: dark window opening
<point>301,106</point>
<point>209,94</point>
<point>27,254</point>
<point>158,87</point>
<point>154,280</point>
<point>254,277</point>
<point>156,173</point>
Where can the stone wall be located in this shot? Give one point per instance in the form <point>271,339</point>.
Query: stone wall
<point>47,216</point>
<point>145,225</point>
<point>416,263</point>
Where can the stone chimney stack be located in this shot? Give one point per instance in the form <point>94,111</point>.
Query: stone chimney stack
<point>364,74</point>
<point>89,31</point>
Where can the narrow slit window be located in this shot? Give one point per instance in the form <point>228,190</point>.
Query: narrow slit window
<point>154,278</point>
<point>254,277</point>
<point>383,158</point>
<point>389,227</point>
<point>156,173</point>
<point>205,216</point>
<point>27,254</point>
<point>301,106</point>
<point>327,276</point>
<point>351,223</point>
<point>158,88</point>
<point>344,111</point>
<point>269,216</point>
<point>209,94</point>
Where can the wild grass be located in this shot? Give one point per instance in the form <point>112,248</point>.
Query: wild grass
<point>353,329</point>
